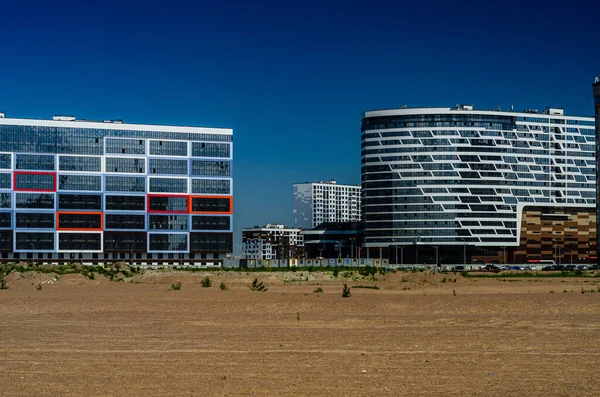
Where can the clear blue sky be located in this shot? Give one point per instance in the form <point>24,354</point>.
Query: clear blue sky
<point>291,78</point>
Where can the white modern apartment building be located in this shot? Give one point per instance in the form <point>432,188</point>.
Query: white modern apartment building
<point>441,181</point>
<point>273,241</point>
<point>319,202</point>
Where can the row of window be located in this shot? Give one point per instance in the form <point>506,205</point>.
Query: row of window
<point>117,242</point>
<point>46,220</point>
<point>66,140</point>
<point>47,182</point>
<point>41,162</point>
<point>118,203</point>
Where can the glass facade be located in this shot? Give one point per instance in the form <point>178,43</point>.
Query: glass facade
<point>110,189</point>
<point>460,177</point>
<point>596,92</point>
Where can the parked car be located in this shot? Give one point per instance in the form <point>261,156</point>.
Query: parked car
<point>490,268</point>
<point>515,267</point>
<point>459,268</point>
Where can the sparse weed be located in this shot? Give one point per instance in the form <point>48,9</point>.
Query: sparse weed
<point>346,292</point>
<point>206,282</point>
<point>258,286</point>
<point>318,290</point>
<point>223,287</point>
<point>176,286</point>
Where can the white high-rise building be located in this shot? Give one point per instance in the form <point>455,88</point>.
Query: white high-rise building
<point>458,179</point>
<point>319,202</point>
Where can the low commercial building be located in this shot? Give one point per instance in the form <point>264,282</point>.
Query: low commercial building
<point>273,241</point>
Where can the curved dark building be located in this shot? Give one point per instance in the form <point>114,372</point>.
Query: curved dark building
<point>451,185</point>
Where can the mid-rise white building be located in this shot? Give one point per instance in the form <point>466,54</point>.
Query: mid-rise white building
<point>319,202</point>
<point>273,241</point>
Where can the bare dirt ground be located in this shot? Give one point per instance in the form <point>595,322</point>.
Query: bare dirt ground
<point>411,337</point>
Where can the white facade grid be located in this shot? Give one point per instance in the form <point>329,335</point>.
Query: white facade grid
<point>319,202</point>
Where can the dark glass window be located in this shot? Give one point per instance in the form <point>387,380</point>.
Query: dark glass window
<point>5,181</point>
<point>79,221</point>
<point>5,220</point>
<point>79,241</point>
<point>34,241</point>
<point>125,221</point>
<point>35,181</point>
<point>211,168</point>
<point>5,161</point>
<point>79,163</point>
<point>205,149</point>
<point>168,242</point>
<point>40,162</point>
<point>6,240</point>
<point>168,148</point>
<point>211,242</point>
<point>79,201</point>
<point>211,222</point>
<point>168,166</point>
<point>35,200</point>
<point>125,203</point>
<point>5,200</point>
<point>168,185</point>
<point>125,146</point>
<point>125,183</point>
<point>211,186</point>
<point>211,204</point>
<point>168,222</point>
<point>160,203</point>
<point>32,220</point>
<point>125,241</point>
<point>80,182</point>
<point>125,164</point>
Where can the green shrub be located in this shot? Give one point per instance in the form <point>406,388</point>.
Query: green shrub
<point>206,282</point>
<point>3,284</point>
<point>176,286</point>
<point>258,286</point>
<point>38,287</point>
<point>223,287</point>
<point>346,292</point>
<point>335,272</point>
<point>318,290</point>
<point>92,276</point>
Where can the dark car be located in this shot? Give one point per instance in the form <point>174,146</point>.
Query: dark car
<point>491,268</point>
<point>459,268</point>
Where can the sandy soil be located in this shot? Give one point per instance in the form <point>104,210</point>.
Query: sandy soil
<point>411,337</point>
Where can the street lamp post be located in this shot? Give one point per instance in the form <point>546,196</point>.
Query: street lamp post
<point>352,248</point>
<point>436,255</point>
<point>32,252</point>
<point>417,249</point>
<point>402,256</point>
<point>504,255</point>
<point>339,249</point>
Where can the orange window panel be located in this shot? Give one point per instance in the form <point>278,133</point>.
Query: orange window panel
<point>72,214</point>
<point>209,207</point>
